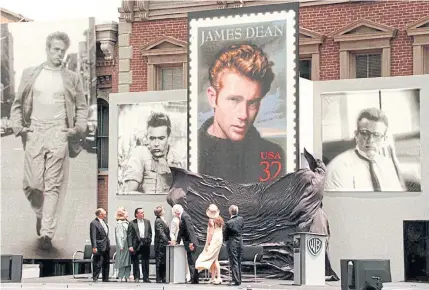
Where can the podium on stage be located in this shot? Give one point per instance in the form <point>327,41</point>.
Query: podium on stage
<point>176,264</point>
<point>309,258</point>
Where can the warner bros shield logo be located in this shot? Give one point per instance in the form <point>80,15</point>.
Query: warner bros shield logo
<point>314,246</point>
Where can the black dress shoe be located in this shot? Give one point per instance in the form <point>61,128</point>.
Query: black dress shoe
<point>164,281</point>
<point>146,281</point>
<point>45,243</point>
<point>234,284</point>
<point>94,280</point>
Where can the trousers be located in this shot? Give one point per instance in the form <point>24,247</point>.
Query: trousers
<point>46,166</point>
<point>235,251</point>
<point>142,255</point>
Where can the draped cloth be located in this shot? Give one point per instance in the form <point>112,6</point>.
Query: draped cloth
<point>271,210</point>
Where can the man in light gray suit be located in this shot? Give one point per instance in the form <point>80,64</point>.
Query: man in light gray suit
<point>49,113</point>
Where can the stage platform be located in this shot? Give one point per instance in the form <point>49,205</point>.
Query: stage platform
<point>68,282</point>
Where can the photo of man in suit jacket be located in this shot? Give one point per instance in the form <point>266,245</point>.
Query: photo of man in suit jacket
<point>99,234</point>
<point>190,241</point>
<point>139,240</point>
<point>49,113</point>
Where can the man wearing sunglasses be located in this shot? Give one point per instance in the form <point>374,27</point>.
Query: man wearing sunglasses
<point>367,167</point>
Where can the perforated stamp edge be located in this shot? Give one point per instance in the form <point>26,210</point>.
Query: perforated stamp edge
<point>291,82</point>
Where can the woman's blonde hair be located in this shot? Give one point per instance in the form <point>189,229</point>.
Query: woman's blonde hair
<point>218,222</point>
<point>120,213</point>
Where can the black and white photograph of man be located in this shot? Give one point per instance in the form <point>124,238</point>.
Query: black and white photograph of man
<point>371,141</point>
<point>152,137</point>
<point>45,172</point>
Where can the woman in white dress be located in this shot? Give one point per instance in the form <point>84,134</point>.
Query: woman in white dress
<point>208,259</point>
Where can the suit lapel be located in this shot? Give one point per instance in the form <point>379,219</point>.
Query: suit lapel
<point>164,222</point>
<point>146,228</point>
<point>136,225</point>
<point>68,95</point>
<point>100,226</point>
<point>27,93</point>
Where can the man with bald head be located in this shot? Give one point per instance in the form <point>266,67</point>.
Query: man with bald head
<point>99,234</point>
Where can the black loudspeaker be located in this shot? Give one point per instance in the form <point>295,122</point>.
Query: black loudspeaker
<point>416,251</point>
<point>11,268</point>
<point>364,274</point>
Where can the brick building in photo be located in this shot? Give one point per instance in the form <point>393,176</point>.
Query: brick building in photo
<point>337,40</point>
<point>146,50</point>
<point>7,16</point>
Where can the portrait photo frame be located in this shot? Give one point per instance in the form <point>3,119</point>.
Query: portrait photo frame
<point>278,112</point>
<point>71,202</point>
<point>140,107</point>
<point>379,86</point>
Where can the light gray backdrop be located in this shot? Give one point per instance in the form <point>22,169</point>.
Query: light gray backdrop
<point>370,225</point>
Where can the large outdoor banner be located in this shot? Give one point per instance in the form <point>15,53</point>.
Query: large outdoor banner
<point>243,132</point>
<point>366,147</point>
<point>48,161</point>
<point>373,135</point>
<point>150,136</point>
<point>242,93</point>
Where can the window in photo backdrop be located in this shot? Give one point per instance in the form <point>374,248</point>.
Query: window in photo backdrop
<point>371,140</point>
<point>103,134</point>
<point>151,137</point>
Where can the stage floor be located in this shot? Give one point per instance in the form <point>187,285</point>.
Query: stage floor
<point>68,282</point>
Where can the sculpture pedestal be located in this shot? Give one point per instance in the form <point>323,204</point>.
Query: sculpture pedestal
<point>176,264</point>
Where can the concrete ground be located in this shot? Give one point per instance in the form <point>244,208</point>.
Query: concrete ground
<point>18,220</point>
<point>67,282</point>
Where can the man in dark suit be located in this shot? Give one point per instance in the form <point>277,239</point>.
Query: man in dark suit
<point>190,241</point>
<point>233,236</point>
<point>162,239</point>
<point>139,240</point>
<point>99,233</point>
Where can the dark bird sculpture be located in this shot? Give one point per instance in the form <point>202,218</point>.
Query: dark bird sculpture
<point>271,210</point>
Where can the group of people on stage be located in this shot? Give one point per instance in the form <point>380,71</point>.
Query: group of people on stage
<point>133,240</point>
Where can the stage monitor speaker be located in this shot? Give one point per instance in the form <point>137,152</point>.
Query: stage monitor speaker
<point>11,268</point>
<point>416,250</point>
<point>366,274</point>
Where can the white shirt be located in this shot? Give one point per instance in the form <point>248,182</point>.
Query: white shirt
<point>48,95</point>
<point>174,228</point>
<point>104,225</point>
<point>348,172</point>
<point>140,223</point>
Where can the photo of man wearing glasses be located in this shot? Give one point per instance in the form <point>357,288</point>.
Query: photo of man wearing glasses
<point>371,165</point>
